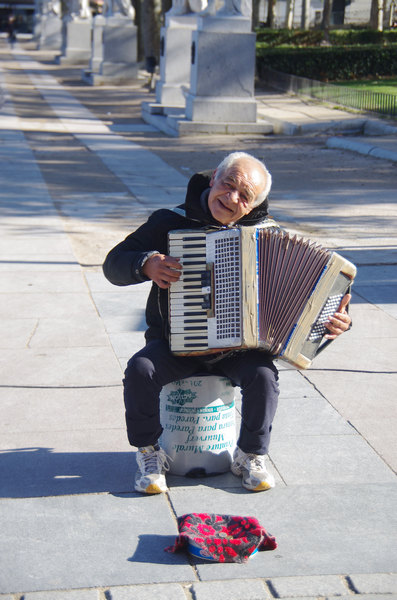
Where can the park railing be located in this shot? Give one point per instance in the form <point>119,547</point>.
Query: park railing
<point>385,104</point>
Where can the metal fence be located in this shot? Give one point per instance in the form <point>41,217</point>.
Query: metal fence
<point>377,102</point>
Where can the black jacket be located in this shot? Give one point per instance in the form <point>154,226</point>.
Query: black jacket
<point>122,265</point>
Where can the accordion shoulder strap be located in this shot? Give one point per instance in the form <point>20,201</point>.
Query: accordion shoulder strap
<point>179,211</point>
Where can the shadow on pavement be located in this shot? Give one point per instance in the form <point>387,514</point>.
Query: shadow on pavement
<point>39,471</point>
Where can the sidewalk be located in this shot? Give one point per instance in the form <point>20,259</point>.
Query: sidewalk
<point>79,170</point>
<point>366,135</point>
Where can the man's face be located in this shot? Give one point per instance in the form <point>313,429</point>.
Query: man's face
<point>233,194</point>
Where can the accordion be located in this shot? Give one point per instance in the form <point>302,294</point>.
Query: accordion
<point>254,287</point>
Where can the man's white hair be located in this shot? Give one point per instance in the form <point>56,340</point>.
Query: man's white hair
<point>229,161</point>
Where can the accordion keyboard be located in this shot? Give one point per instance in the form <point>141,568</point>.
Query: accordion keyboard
<point>190,296</point>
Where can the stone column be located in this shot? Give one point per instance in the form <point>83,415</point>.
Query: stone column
<point>76,41</point>
<point>116,63</point>
<point>96,58</point>
<point>175,59</point>
<point>222,71</point>
<point>48,28</point>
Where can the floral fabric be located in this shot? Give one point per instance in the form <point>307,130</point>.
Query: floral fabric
<point>221,538</point>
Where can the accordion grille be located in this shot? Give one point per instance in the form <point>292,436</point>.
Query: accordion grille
<point>227,288</point>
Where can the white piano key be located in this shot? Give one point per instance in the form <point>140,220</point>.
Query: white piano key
<point>184,337</point>
<point>194,332</point>
<point>181,321</point>
<point>186,306</point>
<point>184,290</point>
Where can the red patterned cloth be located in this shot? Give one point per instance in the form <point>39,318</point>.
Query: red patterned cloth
<point>221,538</point>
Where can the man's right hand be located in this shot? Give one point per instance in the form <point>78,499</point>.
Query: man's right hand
<point>162,269</point>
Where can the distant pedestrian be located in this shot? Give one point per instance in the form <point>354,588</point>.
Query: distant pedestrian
<point>12,37</point>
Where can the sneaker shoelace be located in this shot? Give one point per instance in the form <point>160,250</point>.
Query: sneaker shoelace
<point>254,461</point>
<point>156,461</point>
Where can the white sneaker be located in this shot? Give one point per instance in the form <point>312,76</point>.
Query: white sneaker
<point>152,465</point>
<point>253,470</point>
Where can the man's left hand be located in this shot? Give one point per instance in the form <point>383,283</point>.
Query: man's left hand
<point>340,321</point>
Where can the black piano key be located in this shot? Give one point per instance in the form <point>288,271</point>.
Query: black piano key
<point>196,255</point>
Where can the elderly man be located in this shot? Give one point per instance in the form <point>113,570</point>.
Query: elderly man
<point>235,193</point>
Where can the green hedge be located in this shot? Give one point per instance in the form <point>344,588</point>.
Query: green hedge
<point>314,37</point>
<point>330,63</point>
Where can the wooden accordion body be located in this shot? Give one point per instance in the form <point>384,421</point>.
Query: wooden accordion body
<point>253,287</point>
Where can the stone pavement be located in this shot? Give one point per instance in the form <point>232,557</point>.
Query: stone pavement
<point>79,170</point>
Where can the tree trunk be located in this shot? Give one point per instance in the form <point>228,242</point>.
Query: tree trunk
<point>289,16</point>
<point>151,23</point>
<point>255,13</point>
<point>326,20</point>
<point>392,13</point>
<point>377,10</point>
<point>271,13</point>
<point>305,17</point>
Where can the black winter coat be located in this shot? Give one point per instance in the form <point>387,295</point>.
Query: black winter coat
<point>122,265</point>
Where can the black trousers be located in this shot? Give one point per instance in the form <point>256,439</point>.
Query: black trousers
<point>154,366</point>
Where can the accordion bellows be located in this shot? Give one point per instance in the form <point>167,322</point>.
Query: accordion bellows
<point>254,287</point>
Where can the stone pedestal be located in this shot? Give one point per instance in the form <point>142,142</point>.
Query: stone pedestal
<point>118,63</point>
<point>222,90</point>
<point>175,59</point>
<point>49,32</point>
<point>220,97</point>
<point>97,43</point>
<point>76,41</point>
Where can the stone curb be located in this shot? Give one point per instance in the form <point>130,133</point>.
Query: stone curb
<point>362,586</point>
<point>361,148</point>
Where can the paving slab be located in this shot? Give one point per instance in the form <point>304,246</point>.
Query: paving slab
<point>293,384</point>
<point>122,301</point>
<point>84,541</point>
<point>65,366</point>
<point>322,585</point>
<point>371,349</point>
<point>128,343</point>
<point>64,595</point>
<point>65,463</point>
<point>167,591</point>
<point>25,243</point>
<point>38,263</point>
<point>297,115</point>
<point>37,282</point>
<point>243,589</point>
<point>327,460</point>
<point>361,597</point>
<point>319,529</point>
<point>16,333</point>
<point>383,296</point>
<point>56,305</point>
<point>30,410</point>
<point>302,415</point>
<point>371,322</point>
<point>69,332</point>
<point>383,583</point>
<point>366,399</point>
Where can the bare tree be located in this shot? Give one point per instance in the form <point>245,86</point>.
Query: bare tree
<point>151,23</point>
<point>271,13</point>
<point>305,16</point>
<point>392,12</point>
<point>326,20</point>
<point>377,11</point>
<point>255,13</point>
<point>289,15</point>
